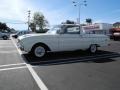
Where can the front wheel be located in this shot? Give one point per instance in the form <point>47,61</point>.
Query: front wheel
<point>39,51</point>
<point>93,48</point>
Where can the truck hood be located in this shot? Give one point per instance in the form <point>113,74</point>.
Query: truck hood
<point>33,35</point>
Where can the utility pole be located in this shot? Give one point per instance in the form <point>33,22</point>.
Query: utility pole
<point>29,12</point>
<point>79,4</point>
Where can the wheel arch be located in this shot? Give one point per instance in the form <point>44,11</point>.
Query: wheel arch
<point>94,44</point>
<point>41,44</point>
<point>4,37</point>
<point>89,49</point>
<point>97,45</point>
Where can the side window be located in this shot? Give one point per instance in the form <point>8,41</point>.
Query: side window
<point>72,30</point>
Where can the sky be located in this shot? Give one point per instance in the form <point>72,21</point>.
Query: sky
<point>14,12</point>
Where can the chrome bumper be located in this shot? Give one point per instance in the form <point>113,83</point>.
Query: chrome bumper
<point>20,47</point>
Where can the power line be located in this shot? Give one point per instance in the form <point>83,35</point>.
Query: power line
<point>15,23</point>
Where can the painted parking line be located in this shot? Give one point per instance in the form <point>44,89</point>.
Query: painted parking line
<point>1,46</point>
<point>9,52</point>
<point>47,63</point>
<point>38,80</point>
<point>7,69</point>
<point>7,65</point>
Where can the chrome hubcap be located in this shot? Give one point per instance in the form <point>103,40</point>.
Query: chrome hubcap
<point>39,51</point>
<point>93,48</point>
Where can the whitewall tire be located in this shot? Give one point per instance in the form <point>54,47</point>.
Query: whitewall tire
<point>39,51</point>
<point>93,48</point>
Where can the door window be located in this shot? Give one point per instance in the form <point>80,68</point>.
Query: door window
<point>72,30</point>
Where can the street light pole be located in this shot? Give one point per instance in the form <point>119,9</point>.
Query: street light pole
<point>79,4</point>
<point>79,14</point>
<point>29,12</point>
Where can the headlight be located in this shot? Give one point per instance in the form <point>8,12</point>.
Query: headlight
<point>18,41</point>
<point>20,45</point>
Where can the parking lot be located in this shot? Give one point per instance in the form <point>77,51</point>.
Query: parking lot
<point>76,70</point>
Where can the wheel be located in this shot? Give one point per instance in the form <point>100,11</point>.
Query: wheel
<point>5,37</point>
<point>39,51</point>
<point>93,48</point>
<point>15,36</point>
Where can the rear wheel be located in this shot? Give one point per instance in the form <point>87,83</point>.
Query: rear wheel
<point>5,37</point>
<point>93,48</point>
<point>39,51</point>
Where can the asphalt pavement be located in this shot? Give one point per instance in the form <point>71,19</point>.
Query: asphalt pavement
<point>14,75</point>
<point>77,70</point>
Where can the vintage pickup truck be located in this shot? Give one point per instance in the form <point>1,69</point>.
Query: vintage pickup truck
<point>61,38</point>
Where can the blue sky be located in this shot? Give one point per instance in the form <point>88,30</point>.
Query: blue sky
<point>14,12</point>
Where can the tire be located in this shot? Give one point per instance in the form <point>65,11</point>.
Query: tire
<point>93,48</point>
<point>38,51</point>
<point>5,37</point>
<point>16,36</point>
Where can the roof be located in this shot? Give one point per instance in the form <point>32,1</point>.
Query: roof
<point>115,29</point>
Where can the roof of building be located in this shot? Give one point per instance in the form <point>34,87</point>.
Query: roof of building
<point>115,29</point>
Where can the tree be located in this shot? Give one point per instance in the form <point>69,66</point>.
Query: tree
<point>89,21</point>
<point>68,22</point>
<point>3,26</point>
<point>33,27</point>
<point>39,22</point>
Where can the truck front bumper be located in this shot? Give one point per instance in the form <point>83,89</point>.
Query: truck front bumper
<point>20,47</point>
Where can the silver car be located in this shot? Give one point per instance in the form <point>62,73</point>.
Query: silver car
<point>4,35</point>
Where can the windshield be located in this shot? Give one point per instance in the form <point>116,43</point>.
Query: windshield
<point>54,29</point>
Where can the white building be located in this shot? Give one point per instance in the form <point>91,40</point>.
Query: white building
<point>98,28</point>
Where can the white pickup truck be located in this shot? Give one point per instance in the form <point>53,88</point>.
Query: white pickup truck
<point>61,38</point>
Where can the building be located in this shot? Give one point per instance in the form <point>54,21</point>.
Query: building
<point>115,31</point>
<point>98,28</point>
<point>116,25</point>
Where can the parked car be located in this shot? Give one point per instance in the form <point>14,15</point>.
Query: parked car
<point>115,33</point>
<point>4,35</point>
<point>61,38</point>
<point>19,33</point>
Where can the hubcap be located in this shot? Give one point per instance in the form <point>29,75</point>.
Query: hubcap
<point>93,48</point>
<point>39,51</point>
<point>5,37</point>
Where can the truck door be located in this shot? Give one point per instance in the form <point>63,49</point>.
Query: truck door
<point>70,39</point>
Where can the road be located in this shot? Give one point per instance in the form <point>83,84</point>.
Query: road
<point>76,70</point>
